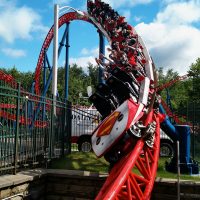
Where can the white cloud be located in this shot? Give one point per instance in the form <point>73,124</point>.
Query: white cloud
<point>88,56</point>
<point>18,22</point>
<point>15,53</point>
<point>172,39</point>
<point>61,2</point>
<point>126,3</point>
<point>127,14</point>
<point>180,13</point>
<point>166,2</point>
<point>91,52</point>
<point>84,51</point>
<point>137,19</point>
<point>83,61</point>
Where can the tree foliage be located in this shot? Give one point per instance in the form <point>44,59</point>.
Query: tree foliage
<point>194,74</point>
<point>183,94</point>
<point>78,81</point>
<point>180,93</point>
<point>25,78</point>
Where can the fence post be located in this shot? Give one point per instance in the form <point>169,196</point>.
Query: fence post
<point>193,128</point>
<point>178,170</point>
<point>51,129</point>
<point>17,128</point>
<point>63,129</point>
<point>68,122</point>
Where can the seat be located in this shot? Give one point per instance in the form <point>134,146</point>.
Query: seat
<point>119,88</point>
<point>123,76</point>
<point>106,91</point>
<point>102,104</point>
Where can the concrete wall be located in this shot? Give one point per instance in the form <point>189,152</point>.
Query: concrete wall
<point>50,184</point>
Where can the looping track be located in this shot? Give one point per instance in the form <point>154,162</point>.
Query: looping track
<point>132,177</point>
<point>66,18</point>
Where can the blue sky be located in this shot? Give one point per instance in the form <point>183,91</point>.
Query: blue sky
<point>170,29</point>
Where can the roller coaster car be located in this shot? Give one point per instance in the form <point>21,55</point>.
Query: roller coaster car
<point>111,94</point>
<point>103,104</point>
<point>111,138</point>
<point>120,89</point>
<point>106,91</point>
<point>115,128</point>
<point>125,77</point>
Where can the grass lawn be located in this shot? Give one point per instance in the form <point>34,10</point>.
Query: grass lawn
<point>81,161</point>
<point>89,162</point>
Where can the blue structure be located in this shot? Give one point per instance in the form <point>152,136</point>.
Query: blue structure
<point>67,62</point>
<point>167,126</point>
<point>47,65</point>
<point>101,51</point>
<point>182,134</point>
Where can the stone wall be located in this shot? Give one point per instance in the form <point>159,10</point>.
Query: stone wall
<point>166,189</point>
<point>83,185</point>
<point>24,185</point>
<point>41,184</point>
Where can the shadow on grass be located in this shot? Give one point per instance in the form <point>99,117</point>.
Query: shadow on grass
<point>81,161</point>
<point>89,162</point>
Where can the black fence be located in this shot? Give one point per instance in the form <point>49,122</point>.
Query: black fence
<point>84,121</point>
<point>189,113</point>
<point>33,130</point>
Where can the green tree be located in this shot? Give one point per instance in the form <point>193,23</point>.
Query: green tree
<point>78,82</point>
<point>166,78</point>
<point>194,75</point>
<point>93,74</point>
<point>183,93</point>
<point>25,78</point>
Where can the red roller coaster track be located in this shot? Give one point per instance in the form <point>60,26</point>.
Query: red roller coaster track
<point>122,183</point>
<point>133,176</point>
<point>172,82</point>
<point>177,119</point>
<point>66,18</point>
<point>8,79</point>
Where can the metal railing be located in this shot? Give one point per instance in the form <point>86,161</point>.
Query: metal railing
<point>30,134</point>
<point>84,120</point>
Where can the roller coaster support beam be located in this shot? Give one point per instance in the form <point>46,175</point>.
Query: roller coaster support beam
<point>61,44</point>
<point>41,98</point>
<point>187,165</point>
<point>44,81</point>
<point>168,100</point>
<point>67,62</point>
<point>167,126</point>
<point>48,81</point>
<point>45,68</point>
<point>182,134</point>
<point>101,51</point>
